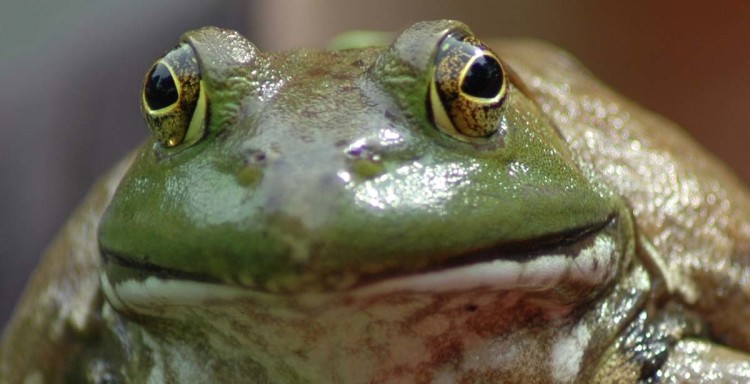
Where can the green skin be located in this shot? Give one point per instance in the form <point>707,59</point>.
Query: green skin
<point>323,229</point>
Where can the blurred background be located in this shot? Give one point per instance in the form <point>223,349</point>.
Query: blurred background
<point>71,70</point>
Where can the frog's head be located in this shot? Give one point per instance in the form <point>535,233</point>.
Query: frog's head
<point>421,167</point>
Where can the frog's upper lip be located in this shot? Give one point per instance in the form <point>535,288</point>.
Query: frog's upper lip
<point>500,264</point>
<point>528,249</point>
<point>587,255</point>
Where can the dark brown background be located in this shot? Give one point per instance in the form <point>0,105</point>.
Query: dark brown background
<point>70,74</point>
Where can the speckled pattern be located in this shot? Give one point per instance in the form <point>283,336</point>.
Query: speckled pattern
<point>62,298</point>
<point>695,361</point>
<point>692,208</point>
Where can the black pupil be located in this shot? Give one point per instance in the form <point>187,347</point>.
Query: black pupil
<point>484,78</point>
<point>160,88</point>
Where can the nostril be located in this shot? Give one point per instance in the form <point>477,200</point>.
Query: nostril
<point>360,150</point>
<point>364,161</point>
<point>252,172</point>
<point>253,156</point>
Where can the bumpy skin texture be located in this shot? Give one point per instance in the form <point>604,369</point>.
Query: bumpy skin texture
<point>59,311</point>
<point>693,210</point>
<point>686,286</point>
<point>690,206</point>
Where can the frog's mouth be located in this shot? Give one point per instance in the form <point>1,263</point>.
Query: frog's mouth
<point>586,256</point>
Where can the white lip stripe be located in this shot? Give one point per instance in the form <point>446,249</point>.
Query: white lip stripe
<point>156,293</point>
<point>498,273</point>
<point>109,292</point>
<point>540,273</point>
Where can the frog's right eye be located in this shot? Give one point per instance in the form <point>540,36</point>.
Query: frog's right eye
<point>468,88</point>
<point>173,99</point>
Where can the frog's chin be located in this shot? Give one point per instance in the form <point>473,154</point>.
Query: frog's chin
<point>582,266</point>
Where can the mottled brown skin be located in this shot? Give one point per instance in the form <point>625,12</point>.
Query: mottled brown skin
<point>694,210</point>
<point>58,313</point>
<point>692,217</point>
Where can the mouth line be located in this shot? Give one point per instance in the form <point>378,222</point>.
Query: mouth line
<point>143,270</point>
<point>518,252</point>
<point>525,250</point>
<point>584,257</point>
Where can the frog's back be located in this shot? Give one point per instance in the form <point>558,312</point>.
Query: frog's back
<point>59,310</point>
<point>692,213</point>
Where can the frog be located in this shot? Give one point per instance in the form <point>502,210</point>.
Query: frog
<point>436,209</point>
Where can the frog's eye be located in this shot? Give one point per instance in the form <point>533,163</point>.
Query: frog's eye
<point>468,88</point>
<point>173,99</point>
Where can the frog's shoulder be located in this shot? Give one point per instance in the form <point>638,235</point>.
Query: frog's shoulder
<point>61,304</point>
<point>692,213</point>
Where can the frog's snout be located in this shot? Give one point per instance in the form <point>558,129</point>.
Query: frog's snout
<point>360,162</point>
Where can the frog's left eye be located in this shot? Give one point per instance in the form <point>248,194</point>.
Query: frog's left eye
<point>173,99</point>
<point>468,88</point>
